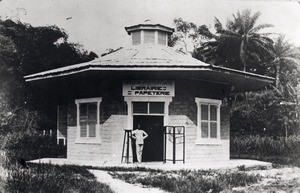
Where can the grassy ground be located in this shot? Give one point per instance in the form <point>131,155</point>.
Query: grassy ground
<point>239,180</point>
<point>187,181</point>
<point>48,178</point>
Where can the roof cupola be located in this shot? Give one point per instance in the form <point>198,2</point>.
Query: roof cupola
<point>149,33</point>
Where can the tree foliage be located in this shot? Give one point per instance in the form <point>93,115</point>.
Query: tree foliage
<point>241,44</point>
<point>286,63</point>
<point>25,50</point>
<point>262,113</point>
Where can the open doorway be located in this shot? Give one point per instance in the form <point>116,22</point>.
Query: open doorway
<point>153,144</point>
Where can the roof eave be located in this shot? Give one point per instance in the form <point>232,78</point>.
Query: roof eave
<point>39,76</point>
<point>244,74</point>
<point>149,27</point>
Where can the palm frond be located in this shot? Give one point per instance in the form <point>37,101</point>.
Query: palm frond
<point>173,40</point>
<point>246,18</point>
<point>264,46</point>
<point>205,32</point>
<point>291,63</point>
<point>260,27</point>
<point>256,57</point>
<point>218,25</point>
<point>254,18</point>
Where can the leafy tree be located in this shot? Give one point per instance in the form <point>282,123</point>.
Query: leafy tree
<point>262,113</point>
<point>23,113</point>
<point>25,50</point>
<point>277,111</point>
<point>286,63</point>
<point>186,33</point>
<point>239,45</point>
<point>287,73</point>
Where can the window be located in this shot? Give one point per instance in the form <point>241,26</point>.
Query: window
<point>162,107</point>
<point>149,37</point>
<point>148,108</point>
<point>136,37</point>
<point>208,120</point>
<point>88,119</point>
<point>162,38</point>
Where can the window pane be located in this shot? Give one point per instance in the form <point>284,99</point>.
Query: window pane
<point>83,112</point>
<point>92,113</point>
<point>204,112</point>
<point>136,37</point>
<point>149,37</point>
<point>140,107</point>
<point>92,130</point>
<point>213,112</point>
<point>161,38</point>
<point>213,130</point>
<point>83,119</point>
<point>83,130</point>
<point>92,119</point>
<point>204,130</point>
<point>156,108</point>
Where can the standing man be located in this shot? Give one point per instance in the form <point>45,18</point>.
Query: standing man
<point>139,136</point>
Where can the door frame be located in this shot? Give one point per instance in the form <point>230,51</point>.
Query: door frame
<point>145,142</point>
<point>130,99</point>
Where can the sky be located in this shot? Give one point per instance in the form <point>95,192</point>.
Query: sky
<point>99,24</point>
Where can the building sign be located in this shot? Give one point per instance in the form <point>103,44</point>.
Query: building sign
<point>148,88</point>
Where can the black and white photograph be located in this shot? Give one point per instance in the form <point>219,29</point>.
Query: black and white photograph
<point>150,96</point>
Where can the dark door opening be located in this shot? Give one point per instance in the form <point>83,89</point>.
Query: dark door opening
<point>153,144</point>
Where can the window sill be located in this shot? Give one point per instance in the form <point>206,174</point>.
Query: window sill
<point>88,141</point>
<point>209,142</point>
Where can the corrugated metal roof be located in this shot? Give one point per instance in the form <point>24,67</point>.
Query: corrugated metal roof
<point>148,54</point>
<point>134,56</point>
<point>157,59</point>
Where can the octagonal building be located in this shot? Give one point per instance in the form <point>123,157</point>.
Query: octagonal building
<point>179,101</point>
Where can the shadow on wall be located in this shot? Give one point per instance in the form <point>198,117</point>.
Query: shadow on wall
<point>186,91</point>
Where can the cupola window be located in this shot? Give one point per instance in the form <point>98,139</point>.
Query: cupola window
<point>149,37</point>
<point>136,37</point>
<point>162,38</point>
<point>149,33</point>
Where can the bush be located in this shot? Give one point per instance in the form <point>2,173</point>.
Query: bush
<point>48,178</point>
<point>21,136</point>
<point>30,146</point>
<point>280,150</point>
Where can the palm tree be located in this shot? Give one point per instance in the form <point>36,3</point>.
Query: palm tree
<point>287,74</point>
<point>287,61</point>
<point>239,43</point>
